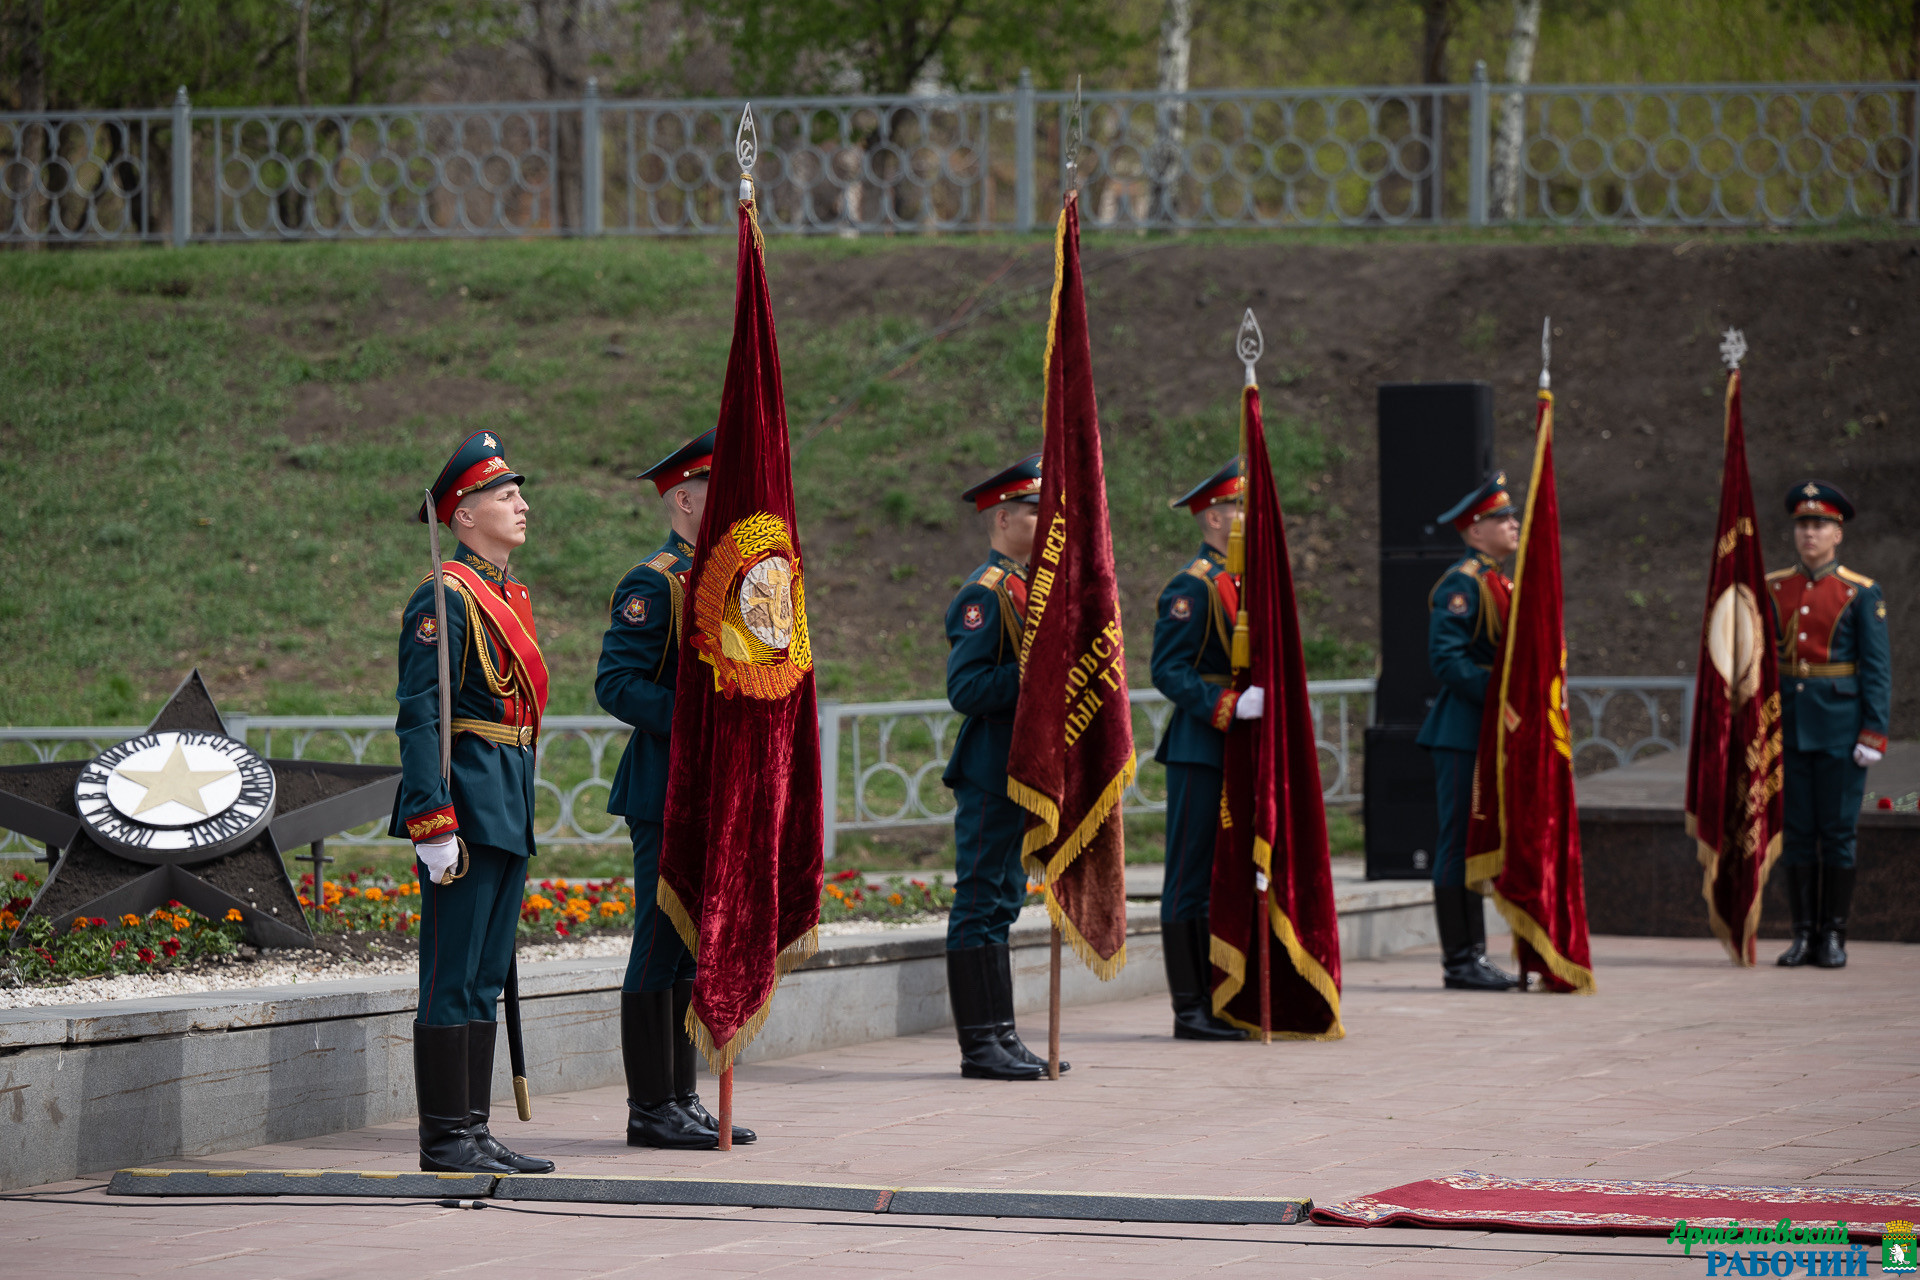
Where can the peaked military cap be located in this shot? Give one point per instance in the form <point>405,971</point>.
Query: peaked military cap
<point>1490,499</point>
<point>1018,483</point>
<point>694,458</point>
<point>1227,484</point>
<point>479,463</point>
<point>1816,499</point>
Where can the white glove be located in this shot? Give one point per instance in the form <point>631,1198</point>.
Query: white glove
<point>1864,755</point>
<point>440,857</point>
<point>1252,704</point>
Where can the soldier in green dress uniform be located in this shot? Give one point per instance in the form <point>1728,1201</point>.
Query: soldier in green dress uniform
<point>1192,665</point>
<point>639,668</point>
<point>1836,696</point>
<point>985,624</point>
<point>1467,616</point>
<point>473,830</point>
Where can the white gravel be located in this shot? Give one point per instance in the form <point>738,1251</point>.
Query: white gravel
<point>286,968</point>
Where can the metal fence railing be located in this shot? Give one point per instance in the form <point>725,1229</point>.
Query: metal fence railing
<point>1633,155</point>
<point>886,757</point>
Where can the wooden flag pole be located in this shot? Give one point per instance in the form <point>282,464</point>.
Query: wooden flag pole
<point>726,1110</point>
<point>1053,1006</point>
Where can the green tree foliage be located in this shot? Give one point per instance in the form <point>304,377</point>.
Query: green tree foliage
<point>134,53</point>
<point>1891,26</point>
<point>889,46</point>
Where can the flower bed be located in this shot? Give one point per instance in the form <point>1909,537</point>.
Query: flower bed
<point>365,903</point>
<point>163,938</point>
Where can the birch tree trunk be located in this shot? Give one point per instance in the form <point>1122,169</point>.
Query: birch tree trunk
<point>1507,151</point>
<point>1170,125</point>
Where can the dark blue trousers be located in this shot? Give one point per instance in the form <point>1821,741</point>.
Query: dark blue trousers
<point>659,958</point>
<point>1193,818</point>
<point>1822,799</point>
<point>467,931</point>
<point>1453,788</point>
<point>989,884</point>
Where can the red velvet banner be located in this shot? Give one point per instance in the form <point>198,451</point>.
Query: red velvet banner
<point>1733,763</point>
<point>1072,754</point>
<point>741,842</point>
<point>1523,841</point>
<point>1273,822</point>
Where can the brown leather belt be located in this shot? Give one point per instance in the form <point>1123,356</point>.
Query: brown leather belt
<point>504,734</point>
<point>1827,670</point>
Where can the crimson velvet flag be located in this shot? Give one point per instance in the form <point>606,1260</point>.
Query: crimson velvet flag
<point>1072,754</point>
<point>1273,823</point>
<point>1523,840</point>
<point>1733,762</point>
<point>741,840</point>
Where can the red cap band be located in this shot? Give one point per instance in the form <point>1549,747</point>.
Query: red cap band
<point>681,474</point>
<point>1813,508</point>
<point>1228,490</point>
<point>472,478</point>
<point>1017,489</point>
<point>1492,502</point>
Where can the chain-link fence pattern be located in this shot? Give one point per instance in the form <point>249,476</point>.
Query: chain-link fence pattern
<point>1473,154</point>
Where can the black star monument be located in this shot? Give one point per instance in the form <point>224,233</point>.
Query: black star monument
<point>183,812</point>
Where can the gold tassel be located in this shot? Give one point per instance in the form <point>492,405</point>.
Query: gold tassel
<point>1237,544</point>
<point>1242,642</point>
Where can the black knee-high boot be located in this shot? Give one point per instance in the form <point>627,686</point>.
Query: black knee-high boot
<point>686,1068</point>
<point>440,1088</point>
<point>1802,891</point>
<point>1836,904</point>
<point>654,1117</point>
<point>1186,946</point>
<point>972,980</point>
<point>1003,1008</point>
<point>480,1042</point>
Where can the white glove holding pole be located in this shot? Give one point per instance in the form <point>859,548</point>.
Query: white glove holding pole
<point>1864,755</point>
<point>440,857</point>
<point>1252,704</point>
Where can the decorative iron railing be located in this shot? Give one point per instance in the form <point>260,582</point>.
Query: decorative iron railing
<point>1471,154</point>
<point>887,756</point>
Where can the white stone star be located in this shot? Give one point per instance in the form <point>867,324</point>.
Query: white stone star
<point>174,781</point>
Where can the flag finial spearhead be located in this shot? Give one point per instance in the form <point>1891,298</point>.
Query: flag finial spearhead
<point>1250,345</point>
<point>1076,135</point>
<point>746,149</point>
<point>1546,352</point>
<point>1733,348</point>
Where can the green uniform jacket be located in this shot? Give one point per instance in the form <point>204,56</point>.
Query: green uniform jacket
<point>639,669</point>
<point>985,623</point>
<point>1192,664</point>
<point>491,799</point>
<point>1466,617</point>
<point>1839,619</point>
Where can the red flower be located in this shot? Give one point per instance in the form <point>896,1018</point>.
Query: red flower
<point>306,882</point>
<point>171,946</point>
<point>175,902</point>
<point>98,922</point>
<point>19,875</point>
<point>146,955</point>
<point>847,874</point>
<point>353,877</point>
<point>560,927</point>
<point>119,946</point>
<point>918,884</point>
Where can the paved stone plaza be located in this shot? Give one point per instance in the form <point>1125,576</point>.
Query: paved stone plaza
<point>1681,1068</point>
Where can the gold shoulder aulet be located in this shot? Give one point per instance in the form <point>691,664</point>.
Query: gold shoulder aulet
<point>1857,579</point>
<point>1471,566</point>
<point>1778,574</point>
<point>663,562</point>
<point>453,583</point>
<point>1201,569</point>
<point>991,578</point>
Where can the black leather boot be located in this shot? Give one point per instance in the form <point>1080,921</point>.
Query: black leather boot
<point>686,1069</point>
<point>1802,888</point>
<point>480,1042</point>
<point>1474,907</point>
<point>440,1087</point>
<point>972,980</point>
<point>1186,946</point>
<point>1836,904</point>
<point>1463,969</point>
<point>1003,1009</point>
<point>654,1117</point>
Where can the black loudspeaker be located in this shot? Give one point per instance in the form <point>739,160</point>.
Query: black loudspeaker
<point>1403,825</point>
<point>1436,444</point>
<point>1407,686</point>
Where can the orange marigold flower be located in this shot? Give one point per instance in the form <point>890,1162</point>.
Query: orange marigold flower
<point>374,894</point>
<point>79,923</point>
<point>234,916</point>
<point>577,904</point>
<point>130,920</point>
<point>537,902</point>
<point>612,909</point>
<point>8,919</point>
<point>895,899</point>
